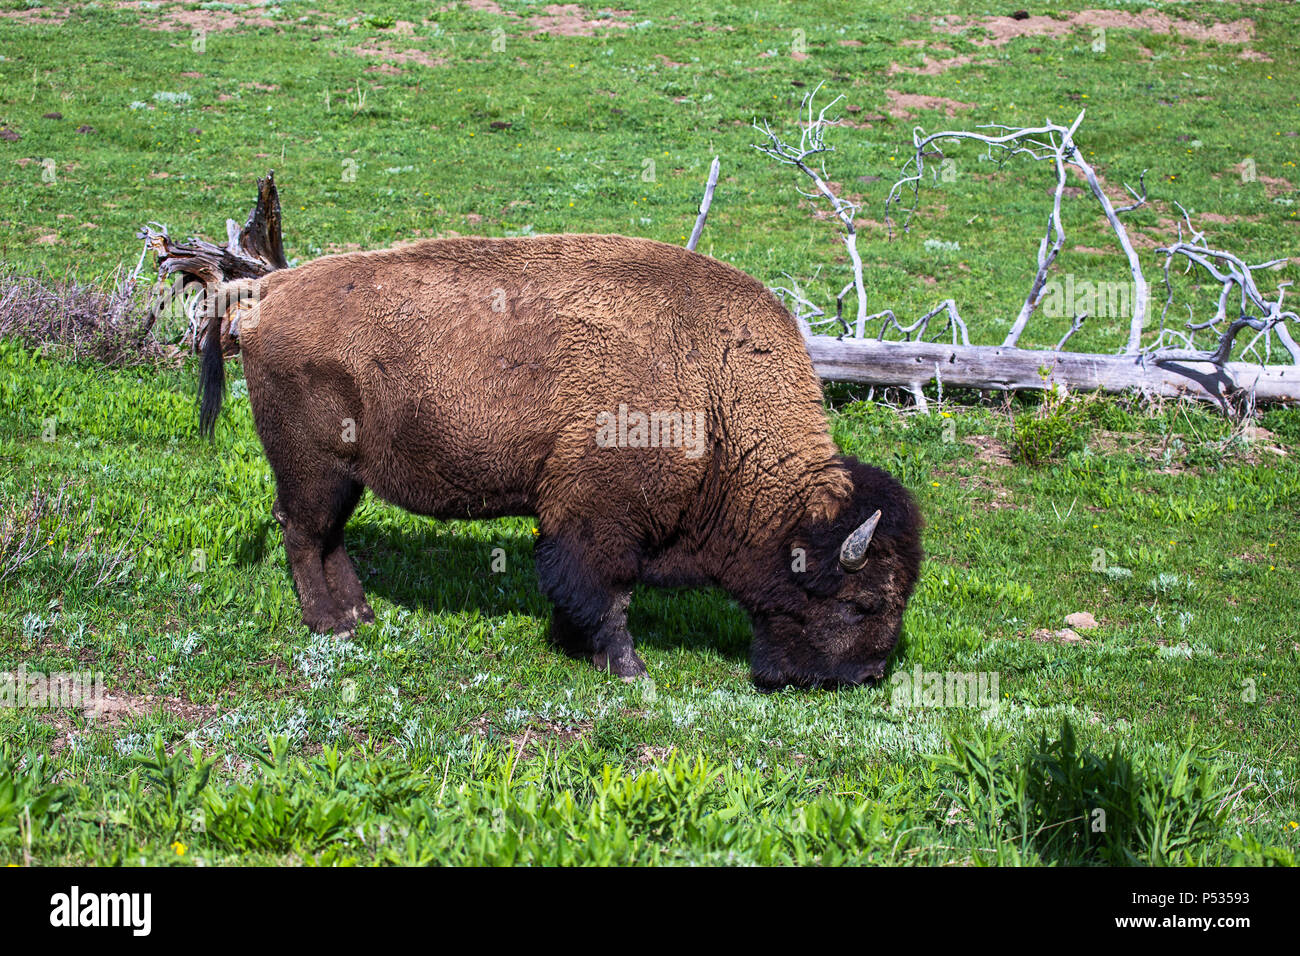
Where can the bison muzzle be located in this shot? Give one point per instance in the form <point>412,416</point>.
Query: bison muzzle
<point>655,409</point>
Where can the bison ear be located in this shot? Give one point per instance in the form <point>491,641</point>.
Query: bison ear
<point>828,498</point>
<point>853,552</point>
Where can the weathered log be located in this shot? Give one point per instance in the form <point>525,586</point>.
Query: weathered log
<point>250,253</point>
<point>200,266</point>
<point>994,367</point>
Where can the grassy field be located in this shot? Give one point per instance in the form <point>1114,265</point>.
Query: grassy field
<point>449,731</point>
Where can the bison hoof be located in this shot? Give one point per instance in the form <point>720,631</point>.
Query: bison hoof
<point>621,663</point>
<point>341,627</point>
<point>342,630</point>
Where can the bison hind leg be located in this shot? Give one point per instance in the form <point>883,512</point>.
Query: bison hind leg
<point>340,573</point>
<point>568,637</point>
<point>313,516</point>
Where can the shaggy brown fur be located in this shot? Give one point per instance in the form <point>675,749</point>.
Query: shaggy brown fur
<point>466,378</point>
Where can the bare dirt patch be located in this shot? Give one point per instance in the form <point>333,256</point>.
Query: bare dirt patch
<point>570,20</point>
<point>173,17</point>
<point>646,753</point>
<point>986,488</point>
<point>932,67</point>
<point>112,710</point>
<point>901,104</point>
<point>560,19</point>
<point>1274,186</point>
<point>986,492</point>
<point>1065,635</point>
<point>1005,29</point>
<point>535,737</point>
<point>543,732</point>
<point>39,16</point>
<point>989,451</point>
<point>384,50</point>
<point>1219,219</point>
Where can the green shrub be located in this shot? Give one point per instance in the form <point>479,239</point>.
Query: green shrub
<point>1058,426</point>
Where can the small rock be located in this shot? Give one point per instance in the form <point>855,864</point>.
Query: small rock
<point>1063,636</point>
<point>85,129</point>
<point>55,115</point>
<point>12,135</point>
<point>1082,620</point>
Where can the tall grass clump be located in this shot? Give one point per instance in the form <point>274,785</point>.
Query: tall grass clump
<point>1066,805</point>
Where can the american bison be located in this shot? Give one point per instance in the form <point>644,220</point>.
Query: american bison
<point>654,408</point>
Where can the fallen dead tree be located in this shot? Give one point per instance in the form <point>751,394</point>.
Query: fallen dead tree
<point>912,355</point>
<point>995,367</point>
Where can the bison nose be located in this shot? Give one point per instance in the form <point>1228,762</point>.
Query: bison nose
<point>871,672</point>
<point>853,675</point>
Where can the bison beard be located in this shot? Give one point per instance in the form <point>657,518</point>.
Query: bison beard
<point>468,378</point>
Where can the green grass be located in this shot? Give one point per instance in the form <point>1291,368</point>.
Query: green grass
<point>449,731</point>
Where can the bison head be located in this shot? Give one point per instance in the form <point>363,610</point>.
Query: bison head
<point>839,611</point>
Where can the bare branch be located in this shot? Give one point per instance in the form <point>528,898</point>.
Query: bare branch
<point>812,143</point>
<point>1236,280</point>
<point>1041,143</point>
<point>705,203</point>
<point>1075,326</point>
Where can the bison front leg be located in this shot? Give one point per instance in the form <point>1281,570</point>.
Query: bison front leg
<point>590,618</point>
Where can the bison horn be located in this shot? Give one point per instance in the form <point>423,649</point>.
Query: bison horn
<point>853,552</point>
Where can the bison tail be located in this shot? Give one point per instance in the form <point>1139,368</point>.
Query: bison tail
<point>231,308</point>
<point>212,378</point>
